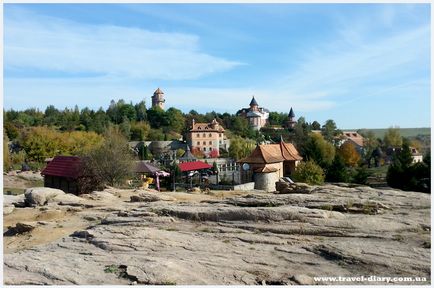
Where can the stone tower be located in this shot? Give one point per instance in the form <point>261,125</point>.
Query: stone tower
<point>158,99</point>
<point>291,119</point>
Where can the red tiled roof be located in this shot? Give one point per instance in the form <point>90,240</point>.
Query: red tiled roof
<point>63,166</point>
<point>195,165</point>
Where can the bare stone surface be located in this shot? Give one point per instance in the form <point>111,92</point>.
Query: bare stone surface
<point>40,196</point>
<point>240,239</point>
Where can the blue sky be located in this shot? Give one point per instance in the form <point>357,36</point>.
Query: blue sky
<point>363,65</point>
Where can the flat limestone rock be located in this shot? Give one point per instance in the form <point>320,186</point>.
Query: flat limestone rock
<point>40,196</point>
<point>259,238</point>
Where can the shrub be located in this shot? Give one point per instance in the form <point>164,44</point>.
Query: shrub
<point>309,172</point>
<point>402,174</point>
<point>338,171</point>
<point>361,175</point>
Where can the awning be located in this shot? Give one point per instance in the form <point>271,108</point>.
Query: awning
<point>195,165</point>
<point>144,167</point>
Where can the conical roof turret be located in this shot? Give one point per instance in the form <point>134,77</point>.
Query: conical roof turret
<point>253,102</point>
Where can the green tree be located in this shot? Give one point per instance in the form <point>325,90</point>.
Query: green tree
<point>315,125</point>
<point>300,135</point>
<point>155,135</point>
<point>309,172</point>
<point>337,171</point>
<point>157,117</point>
<point>329,131</point>
<point>349,154</point>
<point>392,138</point>
<point>175,119</point>
<point>361,175</point>
<point>41,142</point>
<point>405,175</point>
<point>111,163</point>
<point>139,131</point>
<point>370,144</point>
<point>51,116</point>
<point>319,150</point>
<point>6,156</point>
<point>125,127</point>
<point>240,147</point>
<point>141,114</point>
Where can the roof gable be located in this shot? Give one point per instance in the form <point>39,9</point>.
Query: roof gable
<point>273,153</point>
<point>64,166</point>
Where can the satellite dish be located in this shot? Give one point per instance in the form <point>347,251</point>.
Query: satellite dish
<point>246,166</point>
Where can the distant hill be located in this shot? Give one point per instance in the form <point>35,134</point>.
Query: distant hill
<point>405,132</point>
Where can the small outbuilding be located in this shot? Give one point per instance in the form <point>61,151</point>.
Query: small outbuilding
<point>269,162</point>
<point>63,172</point>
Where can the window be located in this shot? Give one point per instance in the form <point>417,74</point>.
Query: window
<point>204,142</point>
<point>204,148</point>
<point>197,135</point>
<point>210,142</point>
<point>209,135</point>
<point>198,143</point>
<point>203,135</point>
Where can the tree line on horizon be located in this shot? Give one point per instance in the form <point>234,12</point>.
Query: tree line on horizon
<point>35,135</point>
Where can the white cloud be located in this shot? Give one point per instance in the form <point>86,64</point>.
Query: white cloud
<point>339,71</point>
<point>52,44</point>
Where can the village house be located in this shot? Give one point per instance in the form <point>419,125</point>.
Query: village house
<point>208,138</point>
<point>268,162</point>
<point>416,155</point>
<point>355,139</point>
<point>257,116</point>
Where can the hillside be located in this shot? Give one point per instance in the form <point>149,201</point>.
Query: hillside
<point>405,132</point>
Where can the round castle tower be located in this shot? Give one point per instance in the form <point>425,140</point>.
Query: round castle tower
<point>158,99</point>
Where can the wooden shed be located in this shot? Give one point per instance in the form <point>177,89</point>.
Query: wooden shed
<point>63,173</point>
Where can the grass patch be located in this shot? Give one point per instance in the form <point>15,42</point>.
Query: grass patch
<point>169,282</point>
<point>327,207</point>
<point>206,230</point>
<point>13,191</point>
<point>111,269</point>
<point>171,229</point>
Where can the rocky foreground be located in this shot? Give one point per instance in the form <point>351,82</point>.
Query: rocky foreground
<point>145,237</point>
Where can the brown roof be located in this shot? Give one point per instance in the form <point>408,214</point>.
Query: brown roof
<point>158,91</point>
<point>272,153</point>
<point>289,152</point>
<point>63,166</point>
<point>207,127</point>
<point>354,137</point>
